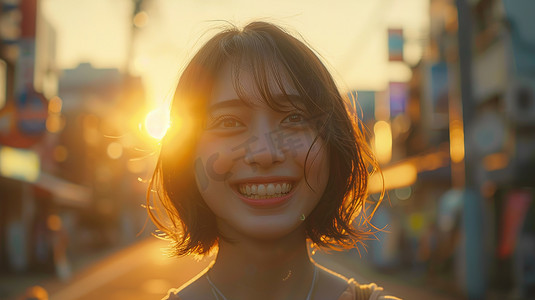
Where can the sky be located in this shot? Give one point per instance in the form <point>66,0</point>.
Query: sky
<point>349,35</point>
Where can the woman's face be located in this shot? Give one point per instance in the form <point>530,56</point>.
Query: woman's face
<point>250,161</point>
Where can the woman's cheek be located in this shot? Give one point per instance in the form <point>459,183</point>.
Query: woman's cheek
<point>317,164</point>
<point>302,144</point>
<point>215,158</point>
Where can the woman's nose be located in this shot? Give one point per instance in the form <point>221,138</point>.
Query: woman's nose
<point>264,150</point>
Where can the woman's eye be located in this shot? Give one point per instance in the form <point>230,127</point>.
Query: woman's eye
<point>294,118</point>
<point>230,123</point>
<point>226,122</point>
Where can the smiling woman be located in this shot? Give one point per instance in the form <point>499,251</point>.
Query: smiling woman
<point>272,158</point>
<point>251,140</point>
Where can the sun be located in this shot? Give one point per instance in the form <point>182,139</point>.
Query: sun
<point>157,123</point>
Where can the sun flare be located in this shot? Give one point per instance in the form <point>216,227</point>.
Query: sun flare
<point>157,123</point>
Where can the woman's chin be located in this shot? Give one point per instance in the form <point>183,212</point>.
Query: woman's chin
<point>267,227</point>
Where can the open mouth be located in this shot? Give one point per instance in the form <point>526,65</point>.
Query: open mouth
<point>265,191</point>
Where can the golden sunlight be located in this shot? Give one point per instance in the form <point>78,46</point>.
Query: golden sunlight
<point>393,177</point>
<point>383,141</point>
<point>456,141</point>
<point>157,123</point>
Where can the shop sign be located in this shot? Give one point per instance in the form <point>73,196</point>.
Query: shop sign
<point>10,133</point>
<point>516,207</point>
<point>19,164</point>
<point>32,108</point>
<point>399,95</point>
<point>395,44</point>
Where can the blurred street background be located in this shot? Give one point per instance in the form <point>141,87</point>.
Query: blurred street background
<point>445,89</point>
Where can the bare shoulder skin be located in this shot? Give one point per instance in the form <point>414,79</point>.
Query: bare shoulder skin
<point>199,289</point>
<point>330,285</point>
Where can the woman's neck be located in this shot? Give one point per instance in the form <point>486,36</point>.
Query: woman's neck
<point>253,269</point>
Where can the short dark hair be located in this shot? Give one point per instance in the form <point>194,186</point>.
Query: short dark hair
<point>273,53</point>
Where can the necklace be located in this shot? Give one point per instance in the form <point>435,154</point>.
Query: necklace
<point>218,293</point>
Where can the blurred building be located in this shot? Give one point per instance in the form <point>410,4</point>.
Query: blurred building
<point>71,150</point>
<point>104,151</point>
<point>435,232</point>
<point>28,72</point>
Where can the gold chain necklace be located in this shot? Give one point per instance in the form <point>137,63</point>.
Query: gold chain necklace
<point>218,293</point>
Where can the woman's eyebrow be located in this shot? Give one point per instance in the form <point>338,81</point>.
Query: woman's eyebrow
<point>284,99</point>
<point>225,104</point>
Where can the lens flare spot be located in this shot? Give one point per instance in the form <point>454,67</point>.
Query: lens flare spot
<point>157,123</point>
<point>115,150</point>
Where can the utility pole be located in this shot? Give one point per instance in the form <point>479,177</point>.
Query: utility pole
<point>473,202</point>
<point>138,4</point>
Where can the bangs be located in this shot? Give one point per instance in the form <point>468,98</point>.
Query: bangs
<point>274,81</point>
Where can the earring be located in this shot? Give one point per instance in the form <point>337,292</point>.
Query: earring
<point>302,217</point>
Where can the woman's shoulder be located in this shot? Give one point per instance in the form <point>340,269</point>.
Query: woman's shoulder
<point>172,294</point>
<point>194,289</point>
<point>330,284</point>
<point>371,291</point>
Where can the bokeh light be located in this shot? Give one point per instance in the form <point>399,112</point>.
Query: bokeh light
<point>397,176</point>
<point>60,153</point>
<point>136,165</point>
<point>383,141</point>
<point>54,123</point>
<point>54,222</point>
<point>456,141</point>
<point>115,150</point>
<point>19,163</point>
<point>141,19</point>
<point>55,104</point>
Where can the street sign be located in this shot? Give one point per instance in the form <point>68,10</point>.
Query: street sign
<point>395,44</point>
<point>399,96</point>
<point>19,164</point>
<point>32,109</point>
<point>23,123</point>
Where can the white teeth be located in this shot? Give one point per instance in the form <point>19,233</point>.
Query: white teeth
<point>270,190</point>
<point>261,190</point>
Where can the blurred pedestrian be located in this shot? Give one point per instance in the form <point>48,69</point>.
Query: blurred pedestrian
<point>262,154</point>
